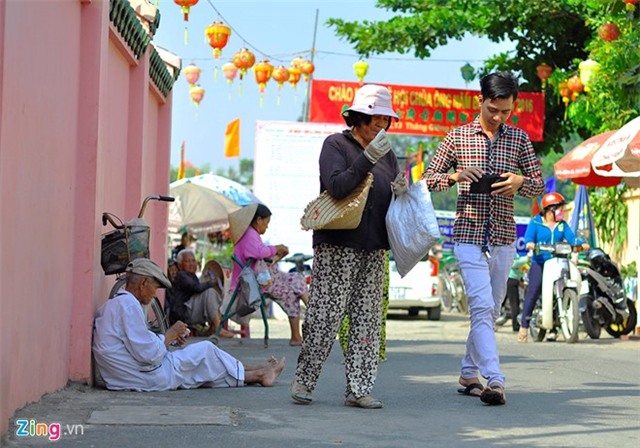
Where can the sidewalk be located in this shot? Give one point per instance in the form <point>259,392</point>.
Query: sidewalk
<point>584,394</point>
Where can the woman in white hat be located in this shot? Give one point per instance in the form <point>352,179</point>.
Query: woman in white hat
<point>348,267</point>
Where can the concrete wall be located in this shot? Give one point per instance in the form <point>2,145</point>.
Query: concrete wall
<point>83,130</point>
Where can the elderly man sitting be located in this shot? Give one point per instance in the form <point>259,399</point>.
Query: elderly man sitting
<point>130,357</point>
<point>192,301</point>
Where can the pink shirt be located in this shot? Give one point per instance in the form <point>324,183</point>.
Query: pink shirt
<point>249,246</point>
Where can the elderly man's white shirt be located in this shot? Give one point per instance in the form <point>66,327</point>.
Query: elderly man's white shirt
<point>131,357</point>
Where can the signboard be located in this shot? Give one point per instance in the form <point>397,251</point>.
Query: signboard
<point>425,110</point>
<point>286,176</point>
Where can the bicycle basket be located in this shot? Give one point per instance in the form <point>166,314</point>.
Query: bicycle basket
<point>121,246</point>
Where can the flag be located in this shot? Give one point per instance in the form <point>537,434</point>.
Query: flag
<point>181,166</point>
<point>232,139</point>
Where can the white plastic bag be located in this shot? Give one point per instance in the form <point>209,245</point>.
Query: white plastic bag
<point>412,227</point>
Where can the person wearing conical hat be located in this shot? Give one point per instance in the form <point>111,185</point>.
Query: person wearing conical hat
<point>287,289</point>
<point>348,266</point>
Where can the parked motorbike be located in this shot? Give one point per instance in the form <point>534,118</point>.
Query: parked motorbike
<point>604,303</point>
<point>559,306</point>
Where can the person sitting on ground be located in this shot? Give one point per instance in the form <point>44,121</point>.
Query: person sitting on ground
<point>131,357</point>
<point>247,224</point>
<point>172,271</point>
<point>192,301</point>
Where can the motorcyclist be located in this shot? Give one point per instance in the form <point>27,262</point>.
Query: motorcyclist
<point>548,227</point>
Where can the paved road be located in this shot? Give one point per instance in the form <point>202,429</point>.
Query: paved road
<point>581,395</point>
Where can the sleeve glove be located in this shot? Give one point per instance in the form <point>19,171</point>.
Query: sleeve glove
<point>399,185</point>
<point>378,147</point>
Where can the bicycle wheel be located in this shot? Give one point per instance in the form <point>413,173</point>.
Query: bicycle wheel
<point>569,314</point>
<point>461,296</point>
<point>120,282</point>
<point>447,291</point>
<point>156,319</point>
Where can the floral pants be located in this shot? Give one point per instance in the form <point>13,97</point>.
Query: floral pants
<point>348,282</point>
<point>286,289</point>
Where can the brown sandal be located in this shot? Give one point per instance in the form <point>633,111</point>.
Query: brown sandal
<point>493,395</point>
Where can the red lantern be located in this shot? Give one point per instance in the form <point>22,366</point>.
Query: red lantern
<point>197,94</point>
<point>544,72</point>
<point>609,31</point>
<point>262,71</point>
<point>575,85</point>
<point>229,70</point>
<point>218,34</point>
<point>191,74</point>
<point>280,75</point>
<point>294,76</point>
<point>244,60</point>
<point>307,68</point>
<point>186,7</point>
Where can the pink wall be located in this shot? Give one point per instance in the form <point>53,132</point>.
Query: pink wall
<point>82,131</point>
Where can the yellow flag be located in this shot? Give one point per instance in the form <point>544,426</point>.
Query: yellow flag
<point>232,139</point>
<point>181,166</point>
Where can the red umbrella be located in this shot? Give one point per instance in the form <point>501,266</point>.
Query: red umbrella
<point>619,155</point>
<point>576,164</point>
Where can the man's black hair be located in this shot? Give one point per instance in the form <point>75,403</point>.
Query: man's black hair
<point>499,85</point>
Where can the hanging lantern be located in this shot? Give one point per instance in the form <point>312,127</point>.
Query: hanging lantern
<point>218,34</point>
<point>631,5</point>
<point>609,32</point>
<point>587,70</point>
<point>468,73</point>
<point>280,75</point>
<point>294,76</point>
<point>262,71</point>
<point>191,74</point>
<point>307,68</point>
<point>229,70</point>
<point>186,7</point>
<point>566,93</point>
<point>575,85</point>
<point>297,62</point>
<point>244,60</point>
<point>360,68</point>
<point>544,72</point>
<point>197,94</point>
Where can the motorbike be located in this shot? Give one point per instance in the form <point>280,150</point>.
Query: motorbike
<point>604,302</point>
<point>559,306</point>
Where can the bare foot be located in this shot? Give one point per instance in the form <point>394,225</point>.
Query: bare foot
<point>271,373</point>
<point>472,386</point>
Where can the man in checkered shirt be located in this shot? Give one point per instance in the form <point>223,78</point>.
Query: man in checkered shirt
<point>484,231</point>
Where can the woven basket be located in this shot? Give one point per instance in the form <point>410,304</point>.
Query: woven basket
<point>325,212</point>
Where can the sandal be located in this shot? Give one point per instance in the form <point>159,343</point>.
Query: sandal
<point>493,395</point>
<point>523,335</point>
<point>470,388</point>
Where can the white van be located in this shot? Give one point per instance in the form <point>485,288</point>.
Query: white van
<point>418,290</point>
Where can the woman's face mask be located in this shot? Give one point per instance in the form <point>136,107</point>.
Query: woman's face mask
<point>559,215</point>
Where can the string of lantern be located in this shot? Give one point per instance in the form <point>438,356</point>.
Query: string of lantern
<point>217,36</point>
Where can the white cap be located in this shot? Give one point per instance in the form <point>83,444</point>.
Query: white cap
<point>372,99</point>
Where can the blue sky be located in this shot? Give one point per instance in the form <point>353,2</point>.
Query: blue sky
<point>280,30</point>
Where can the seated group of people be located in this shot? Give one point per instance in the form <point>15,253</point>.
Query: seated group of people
<point>131,357</point>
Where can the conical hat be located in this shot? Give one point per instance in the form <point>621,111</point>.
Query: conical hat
<point>240,220</point>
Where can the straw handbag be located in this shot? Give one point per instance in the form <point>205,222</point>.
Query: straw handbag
<point>325,212</point>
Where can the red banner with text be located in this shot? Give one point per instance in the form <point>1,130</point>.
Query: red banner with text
<point>425,110</point>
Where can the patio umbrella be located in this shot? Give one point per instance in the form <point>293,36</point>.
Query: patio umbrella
<point>576,164</point>
<point>619,155</point>
<point>203,202</point>
<point>581,221</point>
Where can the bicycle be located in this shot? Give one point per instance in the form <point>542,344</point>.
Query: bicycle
<point>128,241</point>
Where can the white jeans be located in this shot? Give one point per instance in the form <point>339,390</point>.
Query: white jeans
<point>485,282</point>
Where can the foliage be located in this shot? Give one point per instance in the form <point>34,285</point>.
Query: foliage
<point>611,220</point>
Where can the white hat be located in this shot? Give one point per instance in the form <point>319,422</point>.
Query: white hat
<point>240,220</point>
<point>372,99</point>
<point>146,267</point>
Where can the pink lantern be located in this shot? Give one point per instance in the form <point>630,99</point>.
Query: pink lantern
<point>229,70</point>
<point>191,74</point>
